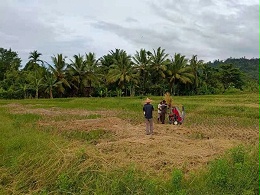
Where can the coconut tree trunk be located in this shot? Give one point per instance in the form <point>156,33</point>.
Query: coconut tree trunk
<point>51,96</point>
<point>36,94</point>
<point>173,88</point>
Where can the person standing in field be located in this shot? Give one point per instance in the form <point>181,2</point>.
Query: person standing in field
<point>148,114</point>
<point>159,112</point>
<point>163,111</point>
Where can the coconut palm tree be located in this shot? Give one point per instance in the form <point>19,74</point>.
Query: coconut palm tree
<point>77,72</point>
<point>35,70</point>
<point>50,82</point>
<point>178,70</point>
<point>142,61</point>
<point>36,82</point>
<point>59,70</point>
<point>34,61</point>
<point>91,69</point>
<point>106,62</point>
<point>83,73</point>
<point>34,57</point>
<point>195,66</point>
<point>159,61</point>
<point>24,87</point>
<point>122,71</point>
<point>158,68</point>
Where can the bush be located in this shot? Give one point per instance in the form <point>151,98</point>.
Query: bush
<point>10,94</point>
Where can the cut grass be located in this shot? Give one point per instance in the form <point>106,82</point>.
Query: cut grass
<point>90,136</point>
<point>75,117</point>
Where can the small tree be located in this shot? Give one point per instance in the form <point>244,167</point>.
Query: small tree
<point>9,60</point>
<point>230,77</point>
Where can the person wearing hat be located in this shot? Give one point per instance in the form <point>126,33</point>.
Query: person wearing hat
<point>148,114</point>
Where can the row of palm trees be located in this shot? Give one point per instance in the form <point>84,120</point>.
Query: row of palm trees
<point>116,73</point>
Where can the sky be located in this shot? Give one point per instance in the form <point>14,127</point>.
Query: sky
<point>210,29</point>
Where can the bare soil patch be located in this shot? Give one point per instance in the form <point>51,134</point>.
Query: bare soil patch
<point>187,148</point>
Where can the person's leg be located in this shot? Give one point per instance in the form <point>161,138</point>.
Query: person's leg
<point>151,126</point>
<point>163,117</point>
<point>147,123</point>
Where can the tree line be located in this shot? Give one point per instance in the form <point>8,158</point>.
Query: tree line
<point>249,66</point>
<point>116,74</point>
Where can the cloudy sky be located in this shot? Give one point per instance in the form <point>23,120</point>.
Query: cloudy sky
<point>211,29</point>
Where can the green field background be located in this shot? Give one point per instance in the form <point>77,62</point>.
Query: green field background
<point>37,161</point>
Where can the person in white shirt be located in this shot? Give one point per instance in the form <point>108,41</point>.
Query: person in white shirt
<point>159,112</point>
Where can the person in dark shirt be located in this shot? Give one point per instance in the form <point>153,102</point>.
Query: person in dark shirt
<point>148,114</point>
<point>163,111</point>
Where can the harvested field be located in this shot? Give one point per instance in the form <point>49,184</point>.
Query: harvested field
<point>188,147</point>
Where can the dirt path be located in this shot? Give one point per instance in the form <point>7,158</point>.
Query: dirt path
<point>188,148</point>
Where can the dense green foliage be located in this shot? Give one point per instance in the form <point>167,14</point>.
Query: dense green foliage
<point>9,60</point>
<point>37,161</point>
<point>119,74</point>
<point>249,66</point>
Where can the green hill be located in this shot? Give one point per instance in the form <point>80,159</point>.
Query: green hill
<point>249,66</point>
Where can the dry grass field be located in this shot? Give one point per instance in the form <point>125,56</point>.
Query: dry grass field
<point>180,146</point>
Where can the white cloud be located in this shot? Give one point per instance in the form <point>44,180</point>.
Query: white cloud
<point>212,29</point>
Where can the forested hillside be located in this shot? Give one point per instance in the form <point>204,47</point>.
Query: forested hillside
<point>248,66</point>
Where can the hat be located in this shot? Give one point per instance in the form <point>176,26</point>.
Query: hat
<point>148,100</point>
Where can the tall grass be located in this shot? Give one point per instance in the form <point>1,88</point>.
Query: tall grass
<point>235,173</point>
<point>33,161</point>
